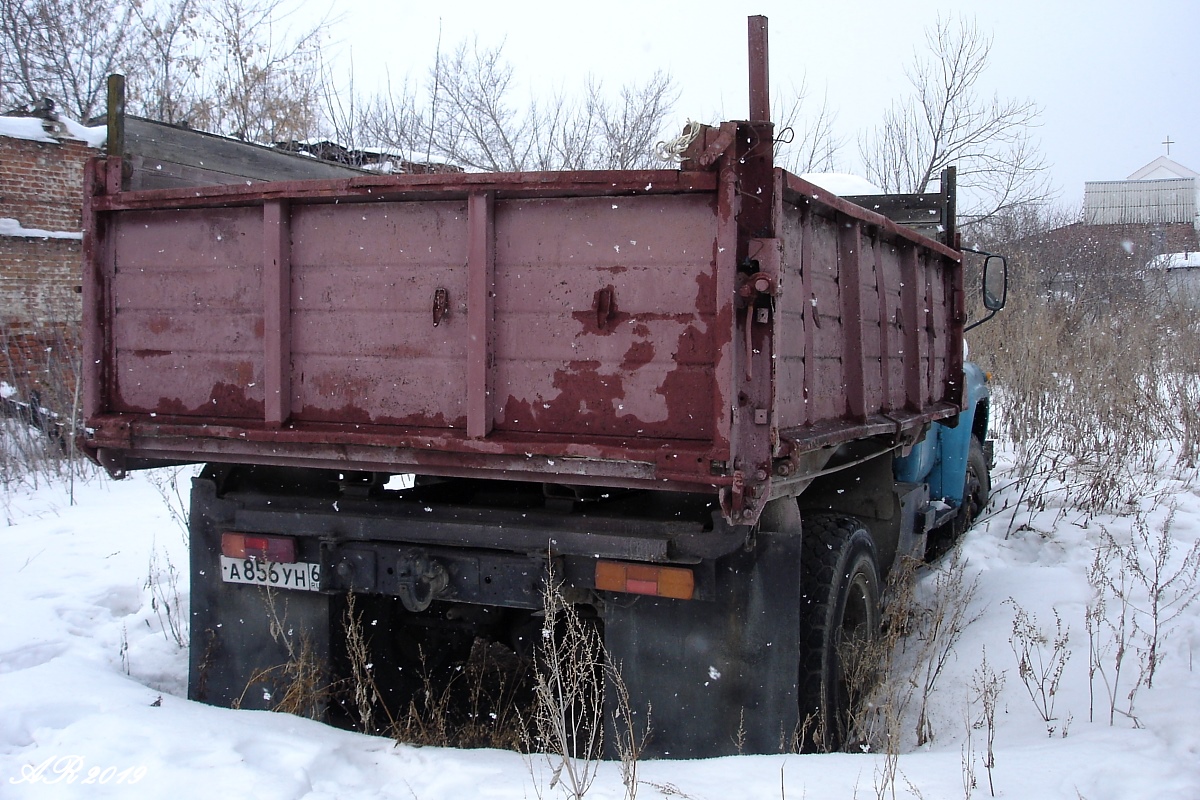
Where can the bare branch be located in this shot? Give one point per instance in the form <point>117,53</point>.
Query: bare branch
<point>946,121</point>
<point>811,145</point>
<point>63,50</point>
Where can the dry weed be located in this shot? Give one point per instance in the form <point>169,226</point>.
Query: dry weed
<point>1041,660</point>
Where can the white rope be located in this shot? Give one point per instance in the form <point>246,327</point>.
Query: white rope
<point>672,149</point>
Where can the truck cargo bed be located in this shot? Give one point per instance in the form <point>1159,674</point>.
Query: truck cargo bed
<point>712,326</point>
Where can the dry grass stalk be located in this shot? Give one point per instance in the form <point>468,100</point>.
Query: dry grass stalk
<point>1041,660</point>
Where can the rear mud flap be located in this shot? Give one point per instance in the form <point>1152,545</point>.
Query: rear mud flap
<point>252,647</point>
<point>719,677</point>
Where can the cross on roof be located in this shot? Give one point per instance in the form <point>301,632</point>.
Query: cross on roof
<point>1168,143</point>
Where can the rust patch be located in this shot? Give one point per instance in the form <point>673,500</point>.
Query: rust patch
<point>172,406</point>
<point>150,353</point>
<point>359,416</point>
<point>330,385</point>
<point>230,400</point>
<point>517,414</point>
<point>260,327</point>
<point>244,372</point>
<point>706,288</point>
<point>347,414</point>
<point>614,270</point>
<point>437,420</point>
<point>588,402</point>
<point>688,393</point>
<point>639,354</point>
<point>159,324</point>
<point>589,323</point>
<point>589,398</point>
<point>225,400</point>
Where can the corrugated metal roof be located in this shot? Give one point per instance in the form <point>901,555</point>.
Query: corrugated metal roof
<point>1140,202</point>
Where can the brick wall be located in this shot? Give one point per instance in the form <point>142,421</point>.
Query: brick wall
<point>41,184</point>
<point>41,187</point>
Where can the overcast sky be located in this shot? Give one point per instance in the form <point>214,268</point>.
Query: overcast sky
<point>1114,77</point>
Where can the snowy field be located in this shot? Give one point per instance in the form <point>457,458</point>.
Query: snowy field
<point>93,683</point>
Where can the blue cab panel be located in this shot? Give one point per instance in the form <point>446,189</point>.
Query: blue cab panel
<point>940,459</point>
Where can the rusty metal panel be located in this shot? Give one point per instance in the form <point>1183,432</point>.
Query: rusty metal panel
<point>187,329</point>
<point>627,328</point>
<point>869,325</point>
<point>825,307</point>
<point>607,306</point>
<point>378,313</point>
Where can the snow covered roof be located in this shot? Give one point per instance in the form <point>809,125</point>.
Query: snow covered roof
<point>1188,260</point>
<point>842,184</point>
<point>52,131</point>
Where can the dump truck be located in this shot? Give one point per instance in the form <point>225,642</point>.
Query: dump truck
<point>712,405</point>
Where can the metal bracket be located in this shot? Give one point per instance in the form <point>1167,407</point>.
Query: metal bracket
<point>420,580</point>
<point>604,303</point>
<point>441,305</point>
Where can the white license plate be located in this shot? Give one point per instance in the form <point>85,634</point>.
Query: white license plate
<point>264,573</point>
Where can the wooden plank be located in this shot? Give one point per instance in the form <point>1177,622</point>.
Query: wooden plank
<point>115,142</point>
<point>905,209</point>
<point>166,148</point>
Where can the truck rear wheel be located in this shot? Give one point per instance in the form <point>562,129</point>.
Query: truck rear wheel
<point>840,611</point>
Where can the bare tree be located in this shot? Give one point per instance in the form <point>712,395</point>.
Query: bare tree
<point>947,121</point>
<point>167,87</point>
<point>476,122</point>
<point>229,66</point>
<point>265,82</point>
<point>805,140</point>
<point>63,50</point>
<point>629,126</point>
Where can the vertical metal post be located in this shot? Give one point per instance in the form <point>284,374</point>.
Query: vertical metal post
<point>853,356</point>
<point>116,131</point>
<point>914,396</point>
<point>760,84</point>
<point>885,325</point>
<point>481,266</point>
<point>94,295</point>
<point>277,313</point>
<point>949,187</point>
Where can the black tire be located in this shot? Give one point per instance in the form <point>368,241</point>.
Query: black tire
<point>976,491</point>
<point>841,617</point>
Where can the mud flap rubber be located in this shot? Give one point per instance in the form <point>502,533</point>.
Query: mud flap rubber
<point>719,677</point>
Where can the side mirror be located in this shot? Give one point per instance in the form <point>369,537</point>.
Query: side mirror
<point>995,282</point>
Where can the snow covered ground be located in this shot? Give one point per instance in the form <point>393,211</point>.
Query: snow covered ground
<point>92,683</point>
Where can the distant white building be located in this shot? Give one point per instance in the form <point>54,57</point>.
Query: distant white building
<point>1164,192</point>
<point>1176,275</point>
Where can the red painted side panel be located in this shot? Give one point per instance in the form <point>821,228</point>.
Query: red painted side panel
<point>640,367</point>
<point>866,322</point>
<point>618,328</point>
<point>365,348</point>
<point>188,324</point>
